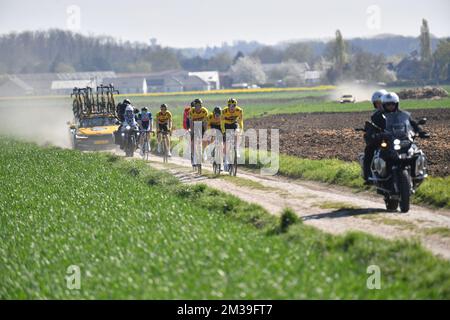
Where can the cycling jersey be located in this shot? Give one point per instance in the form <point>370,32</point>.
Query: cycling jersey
<point>199,116</point>
<point>214,123</point>
<point>232,118</point>
<point>145,118</point>
<point>163,118</point>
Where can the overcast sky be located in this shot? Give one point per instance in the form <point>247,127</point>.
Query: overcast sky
<point>196,23</point>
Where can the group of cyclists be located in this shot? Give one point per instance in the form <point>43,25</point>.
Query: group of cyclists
<point>230,119</point>
<point>223,120</point>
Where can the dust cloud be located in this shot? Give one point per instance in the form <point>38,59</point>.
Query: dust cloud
<point>43,121</point>
<point>362,92</point>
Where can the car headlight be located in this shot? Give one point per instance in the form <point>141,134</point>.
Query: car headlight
<point>80,137</point>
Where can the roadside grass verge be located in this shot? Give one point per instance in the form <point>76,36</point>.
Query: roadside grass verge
<point>434,191</point>
<point>136,232</point>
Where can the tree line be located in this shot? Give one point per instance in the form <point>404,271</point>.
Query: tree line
<point>65,51</point>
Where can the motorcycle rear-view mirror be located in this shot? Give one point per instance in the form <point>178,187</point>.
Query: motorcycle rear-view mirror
<point>422,121</point>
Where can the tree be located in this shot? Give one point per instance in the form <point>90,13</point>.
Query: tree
<point>290,72</point>
<point>248,70</point>
<point>442,60</point>
<point>337,52</point>
<point>425,42</point>
<point>367,66</point>
<point>268,54</point>
<point>221,61</point>
<point>300,52</point>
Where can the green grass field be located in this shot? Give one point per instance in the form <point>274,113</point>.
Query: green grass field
<point>254,104</point>
<point>138,233</point>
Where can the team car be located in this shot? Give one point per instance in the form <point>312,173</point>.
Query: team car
<point>93,132</point>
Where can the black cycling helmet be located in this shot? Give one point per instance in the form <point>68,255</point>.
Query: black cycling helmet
<point>217,111</point>
<point>164,105</point>
<point>232,101</point>
<point>192,104</point>
<point>144,109</point>
<point>126,101</point>
<point>198,102</point>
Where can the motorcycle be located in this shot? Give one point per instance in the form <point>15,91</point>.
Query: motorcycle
<point>399,165</point>
<point>130,138</point>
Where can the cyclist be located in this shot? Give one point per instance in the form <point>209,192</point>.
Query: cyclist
<point>215,122</point>
<point>146,123</point>
<point>232,121</point>
<point>186,113</point>
<point>164,123</point>
<point>198,114</point>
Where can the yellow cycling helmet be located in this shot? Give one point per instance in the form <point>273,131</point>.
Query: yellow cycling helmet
<point>232,101</point>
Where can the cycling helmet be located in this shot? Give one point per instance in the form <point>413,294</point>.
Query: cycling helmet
<point>390,98</point>
<point>198,102</point>
<point>164,105</point>
<point>232,101</point>
<point>144,109</point>
<point>217,111</point>
<point>127,101</point>
<point>192,104</point>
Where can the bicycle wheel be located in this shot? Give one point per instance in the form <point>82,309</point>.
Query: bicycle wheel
<point>165,147</point>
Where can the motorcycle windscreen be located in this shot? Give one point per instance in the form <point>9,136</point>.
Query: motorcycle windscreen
<point>398,124</point>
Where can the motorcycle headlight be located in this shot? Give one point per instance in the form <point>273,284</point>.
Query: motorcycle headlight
<point>123,134</point>
<point>128,127</point>
<point>396,142</point>
<point>384,144</point>
<point>397,147</point>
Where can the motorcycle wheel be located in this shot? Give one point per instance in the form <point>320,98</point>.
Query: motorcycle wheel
<point>391,204</point>
<point>405,191</point>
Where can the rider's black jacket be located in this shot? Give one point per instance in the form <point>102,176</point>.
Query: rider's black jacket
<point>372,135</point>
<point>120,110</point>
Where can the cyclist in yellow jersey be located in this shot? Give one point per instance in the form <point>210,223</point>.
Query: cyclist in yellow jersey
<point>232,119</point>
<point>163,123</point>
<point>215,119</point>
<point>198,114</point>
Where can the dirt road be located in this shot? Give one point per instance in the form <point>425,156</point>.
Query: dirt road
<point>330,208</point>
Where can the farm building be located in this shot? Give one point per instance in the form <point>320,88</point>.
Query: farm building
<point>50,83</point>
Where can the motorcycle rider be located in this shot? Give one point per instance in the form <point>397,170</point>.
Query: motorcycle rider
<point>129,120</point>
<point>370,143</point>
<point>390,103</point>
<point>120,110</point>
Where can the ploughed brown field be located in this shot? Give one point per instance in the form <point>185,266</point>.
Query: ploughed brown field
<point>332,135</point>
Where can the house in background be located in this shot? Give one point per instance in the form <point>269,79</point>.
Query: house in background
<point>210,77</point>
<point>128,84</point>
<point>50,83</point>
